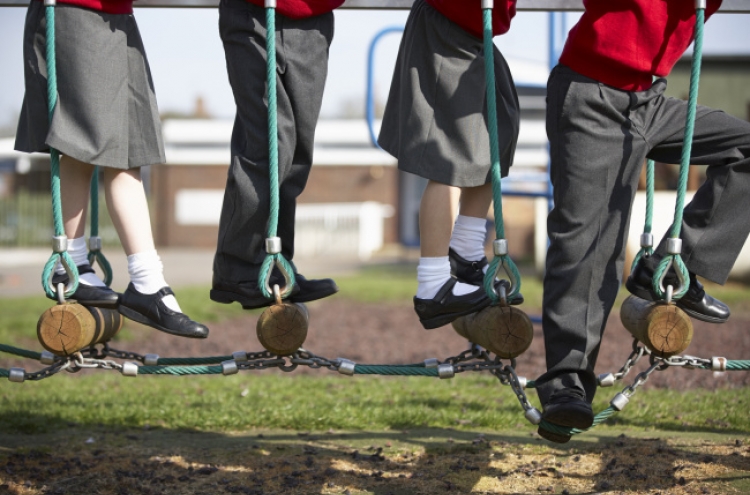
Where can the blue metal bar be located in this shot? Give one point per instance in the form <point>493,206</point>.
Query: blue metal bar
<point>369,96</point>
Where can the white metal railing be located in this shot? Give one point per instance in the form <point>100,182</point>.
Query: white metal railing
<point>340,229</point>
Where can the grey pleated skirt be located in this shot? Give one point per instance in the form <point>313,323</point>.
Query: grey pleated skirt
<point>106,111</point>
<point>435,121</point>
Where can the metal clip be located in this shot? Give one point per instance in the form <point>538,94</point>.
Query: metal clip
<point>619,401</point>
<point>446,371</point>
<point>95,243</point>
<point>431,363</point>
<point>239,356</point>
<point>129,369</point>
<point>16,375</point>
<point>533,415</point>
<point>59,244</point>
<point>151,359</point>
<point>346,367</point>
<point>500,247</point>
<point>674,245</point>
<point>647,240</point>
<point>229,368</point>
<point>719,364</point>
<point>47,358</point>
<point>606,379</point>
<point>273,245</point>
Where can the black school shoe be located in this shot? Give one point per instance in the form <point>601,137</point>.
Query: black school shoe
<point>87,295</point>
<point>695,302</point>
<point>150,310</point>
<point>250,296</point>
<point>566,408</point>
<point>472,273</point>
<point>446,306</point>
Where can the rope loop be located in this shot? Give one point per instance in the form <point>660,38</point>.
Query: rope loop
<point>98,257</point>
<point>264,279</point>
<point>657,283</point>
<point>506,264</point>
<point>70,268</point>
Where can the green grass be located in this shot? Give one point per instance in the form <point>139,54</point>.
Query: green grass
<point>319,403</point>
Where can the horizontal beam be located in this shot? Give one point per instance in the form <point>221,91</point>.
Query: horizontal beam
<point>728,6</point>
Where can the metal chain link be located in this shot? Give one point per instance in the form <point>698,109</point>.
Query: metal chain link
<point>517,387</point>
<point>47,372</point>
<point>642,377</point>
<point>690,362</point>
<point>78,362</point>
<point>635,356</point>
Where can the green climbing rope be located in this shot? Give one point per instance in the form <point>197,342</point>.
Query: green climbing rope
<point>180,370</point>
<point>365,369</point>
<point>60,253</point>
<point>647,250</point>
<point>95,248</point>
<point>20,352</point>
<point>501,258</point>
<point>674,259</point>
<point>272,259</point>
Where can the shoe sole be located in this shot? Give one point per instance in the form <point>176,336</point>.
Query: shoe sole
<point>96,303</point>
<point>646,295</point>
<point>138,317</point>
<point>226,297</point>
<point>552,436</point>
<point>579,418</point>
<point>311,296</point>
<point>442,320</point>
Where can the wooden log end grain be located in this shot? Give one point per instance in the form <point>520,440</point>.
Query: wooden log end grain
<point>282,328</point>
<point>66,328</point>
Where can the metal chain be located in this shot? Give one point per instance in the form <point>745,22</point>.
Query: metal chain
<point>47,372</point>
<point>642,377</point>
<point>517,387</point>
<point>306,358</point>
<point>635,356</point>
<point>78,362</point>
<point>690,362</point>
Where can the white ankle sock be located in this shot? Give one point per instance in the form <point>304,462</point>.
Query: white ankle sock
<point>147,275</point>
<point>468,237</point>
<point>78,251</point>
<point>433,273</point>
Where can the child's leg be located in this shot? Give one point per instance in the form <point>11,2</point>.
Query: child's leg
<point>470,229</point>
<point>75,183</point>
<point>436,212</point>
<point>128,208</point>
<point>148,299</point>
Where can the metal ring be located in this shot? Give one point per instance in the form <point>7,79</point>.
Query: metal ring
<point>277,294</point>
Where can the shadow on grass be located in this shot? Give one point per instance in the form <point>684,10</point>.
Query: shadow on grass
<point>84,459</point>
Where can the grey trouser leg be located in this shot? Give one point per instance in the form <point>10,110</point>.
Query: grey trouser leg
<point>599,138</point>
<point>302,65</point>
